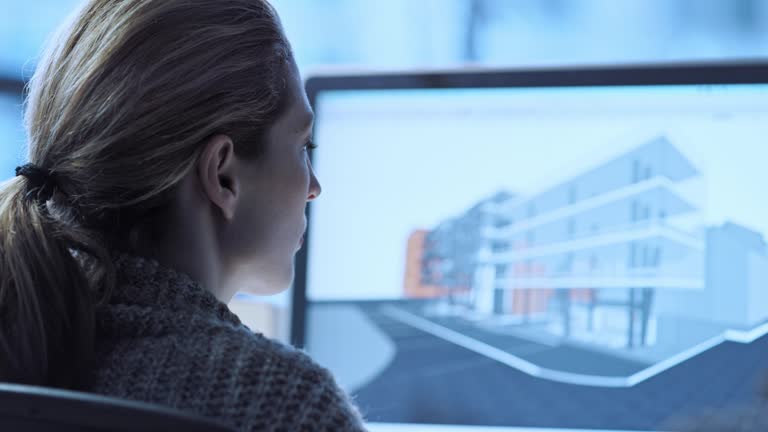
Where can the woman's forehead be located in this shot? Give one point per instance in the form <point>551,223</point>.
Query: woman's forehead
<point>298,116</point>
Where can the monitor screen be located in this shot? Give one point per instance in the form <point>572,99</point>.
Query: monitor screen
<point>560,257</point>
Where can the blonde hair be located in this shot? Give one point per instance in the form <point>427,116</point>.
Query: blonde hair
<point>116,111</point>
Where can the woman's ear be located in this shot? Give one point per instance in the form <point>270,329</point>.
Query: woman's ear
<point>217,170</point>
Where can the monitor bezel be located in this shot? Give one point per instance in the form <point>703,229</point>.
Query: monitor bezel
<point>747,72</point>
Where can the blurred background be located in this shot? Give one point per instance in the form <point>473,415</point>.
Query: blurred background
<point>403,34</point>
<point>400,34</point>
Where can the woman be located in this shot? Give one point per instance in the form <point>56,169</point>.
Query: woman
<point>168,158</point>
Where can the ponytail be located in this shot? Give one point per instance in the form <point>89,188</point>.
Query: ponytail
<point>46,304</point>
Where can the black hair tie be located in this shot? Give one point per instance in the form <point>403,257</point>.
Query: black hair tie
<point>41,181</point>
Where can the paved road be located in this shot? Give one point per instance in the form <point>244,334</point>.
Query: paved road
<point>561,357</point>
<point>431,380</point>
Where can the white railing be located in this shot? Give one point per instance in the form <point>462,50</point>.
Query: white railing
<point>583,206</point>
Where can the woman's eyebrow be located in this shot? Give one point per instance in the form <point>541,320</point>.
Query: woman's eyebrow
<point>307,123</point>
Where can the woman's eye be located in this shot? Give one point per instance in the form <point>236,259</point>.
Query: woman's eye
<point>310,145</point>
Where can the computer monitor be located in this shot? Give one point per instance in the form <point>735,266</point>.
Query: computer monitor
<point>569,249</point>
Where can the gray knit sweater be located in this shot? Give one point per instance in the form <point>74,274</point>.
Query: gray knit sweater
<point>164,339</point>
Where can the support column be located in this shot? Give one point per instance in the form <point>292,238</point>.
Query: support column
<point>631,315</point>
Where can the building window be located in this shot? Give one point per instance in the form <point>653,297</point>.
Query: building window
<point>572,194</point>
<point>634,215</point>
<point>499,246</point>
<point>531,210</point>
<point>593,262</point>
<point>635,171</point>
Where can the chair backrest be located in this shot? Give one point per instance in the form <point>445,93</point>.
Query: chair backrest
<point>38,409</point>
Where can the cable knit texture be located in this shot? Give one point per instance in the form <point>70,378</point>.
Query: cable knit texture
<point>165,339</point>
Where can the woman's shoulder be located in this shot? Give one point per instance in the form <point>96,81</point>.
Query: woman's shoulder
<point>224,370</point>
<point>262,361</point>
<point>242,347</point>
<point>262,371</point>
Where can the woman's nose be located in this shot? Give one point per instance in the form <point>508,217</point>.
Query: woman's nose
<point>314,185</point>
